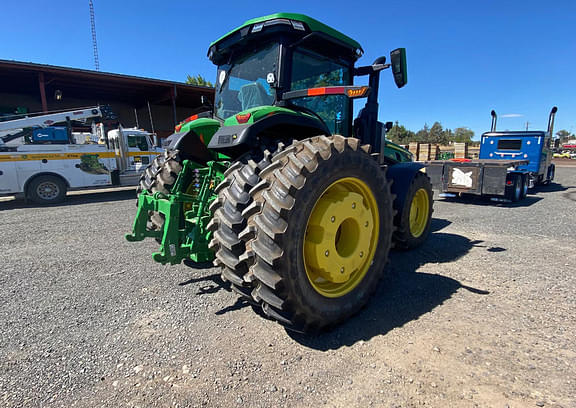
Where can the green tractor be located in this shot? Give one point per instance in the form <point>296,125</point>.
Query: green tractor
<point>296,203</point>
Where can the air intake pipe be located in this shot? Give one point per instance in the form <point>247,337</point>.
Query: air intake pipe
<point>494,117</point>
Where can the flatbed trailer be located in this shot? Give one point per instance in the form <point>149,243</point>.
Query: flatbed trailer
<point>501,180</point>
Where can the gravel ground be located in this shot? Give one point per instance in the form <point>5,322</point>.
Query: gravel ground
<point>481,315</point>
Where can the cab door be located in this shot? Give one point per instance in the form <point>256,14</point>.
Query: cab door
<point>139,154</point>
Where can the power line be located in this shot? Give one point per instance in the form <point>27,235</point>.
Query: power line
<point>94,44</point>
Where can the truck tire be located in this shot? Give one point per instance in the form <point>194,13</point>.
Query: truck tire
<point>525,184</point>
<point>413,221</point>
<point>160,176</point>
<point>514,191</point>
<point>227,220</point>
<point>321,229</point>
<point>550,174</point>
<point>46,189</point>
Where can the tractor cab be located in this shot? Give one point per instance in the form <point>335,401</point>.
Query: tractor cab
<point>292,75</point>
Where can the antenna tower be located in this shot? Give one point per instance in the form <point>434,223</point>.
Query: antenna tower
<point>94,44</point>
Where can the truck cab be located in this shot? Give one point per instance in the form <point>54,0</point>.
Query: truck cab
<point>518,145</point>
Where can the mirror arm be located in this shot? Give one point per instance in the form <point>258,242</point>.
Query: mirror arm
<point>370,69</point>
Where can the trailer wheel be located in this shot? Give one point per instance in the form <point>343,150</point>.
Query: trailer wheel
<point>46,190</point>
<point>413,221</point>
<point>322,229</point>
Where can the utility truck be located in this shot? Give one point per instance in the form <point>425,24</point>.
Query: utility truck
<point>42,160</point>
<point>510,163</point>
<point>297,202</point>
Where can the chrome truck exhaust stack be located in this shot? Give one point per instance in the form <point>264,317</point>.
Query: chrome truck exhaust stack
<point>494,117</point>
<point>551,121</point>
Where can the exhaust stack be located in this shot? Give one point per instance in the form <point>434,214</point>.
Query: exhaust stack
<point>551,121</point>
<point>494,117</point>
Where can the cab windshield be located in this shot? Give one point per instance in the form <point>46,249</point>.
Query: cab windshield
<point>242,84</point>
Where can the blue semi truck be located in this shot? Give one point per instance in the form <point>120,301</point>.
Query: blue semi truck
<point>509,164</point>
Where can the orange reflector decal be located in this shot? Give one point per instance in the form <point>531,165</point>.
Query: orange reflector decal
<point>357,93</point>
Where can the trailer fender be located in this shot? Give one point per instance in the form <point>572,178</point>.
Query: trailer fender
<point>401,175</point>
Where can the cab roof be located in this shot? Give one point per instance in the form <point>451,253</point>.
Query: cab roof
<point>299,23</point>
<point>515,133</point>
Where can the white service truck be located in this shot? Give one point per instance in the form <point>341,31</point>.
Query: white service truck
<point>45,162</point>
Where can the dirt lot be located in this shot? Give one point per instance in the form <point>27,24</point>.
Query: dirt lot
<point>482,315</point>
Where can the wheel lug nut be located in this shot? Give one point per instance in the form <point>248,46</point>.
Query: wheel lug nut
<point>333,219</point>
<point>327,253</point>
<point>366,224</point>
<point>342,270</point>
<point>353,205</point>
<point>361,254</point>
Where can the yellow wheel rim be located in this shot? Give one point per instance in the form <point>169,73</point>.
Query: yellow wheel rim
<point>341,237</point>
<point>419,212</point>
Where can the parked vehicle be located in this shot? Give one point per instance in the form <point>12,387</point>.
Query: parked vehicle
<point>298,203</point>
<point>43,161</point>
<point>509,164</point>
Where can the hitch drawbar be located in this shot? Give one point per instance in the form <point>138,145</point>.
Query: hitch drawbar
<point>185,212</point>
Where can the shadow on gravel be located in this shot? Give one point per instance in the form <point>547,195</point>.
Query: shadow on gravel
<point>550,188</point>
<point>438,224</point>
<point>470,200</point>
<point>570,195</point>
<point>215,286</point>
<point>76,199</point>
<point>405,294</point>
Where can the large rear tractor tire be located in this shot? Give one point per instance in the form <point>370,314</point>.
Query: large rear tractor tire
<point>227,220</point>
<point>413,221</point>
<point>160,176</point>
<point>321,228</point>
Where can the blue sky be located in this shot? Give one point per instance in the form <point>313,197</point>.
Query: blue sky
<point>464,57</point>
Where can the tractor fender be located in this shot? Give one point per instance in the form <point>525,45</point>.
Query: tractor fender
<point>236,139</point>
<point>401,175</point>
<point>192,141</point>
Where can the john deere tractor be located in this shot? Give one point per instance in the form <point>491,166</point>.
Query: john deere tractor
<point>295,201</point>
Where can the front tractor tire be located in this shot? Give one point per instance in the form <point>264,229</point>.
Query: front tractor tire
<point>414,219</point>
<point>321,227</point>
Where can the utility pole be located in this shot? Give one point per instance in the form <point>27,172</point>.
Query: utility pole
<point>527,123</point>
<point>94,44</point>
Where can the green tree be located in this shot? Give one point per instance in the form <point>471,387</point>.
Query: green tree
<point>437,135</point>
<point>198,80</point>
<point>463,134</point>
<point>399,134</point>
<point>423,134</point>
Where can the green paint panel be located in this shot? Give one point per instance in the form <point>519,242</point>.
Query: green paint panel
<point>202,126</point>
<point>260,112</point>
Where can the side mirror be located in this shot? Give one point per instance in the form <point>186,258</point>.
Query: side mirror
<point>388,126</point>
<point>399,69</point>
